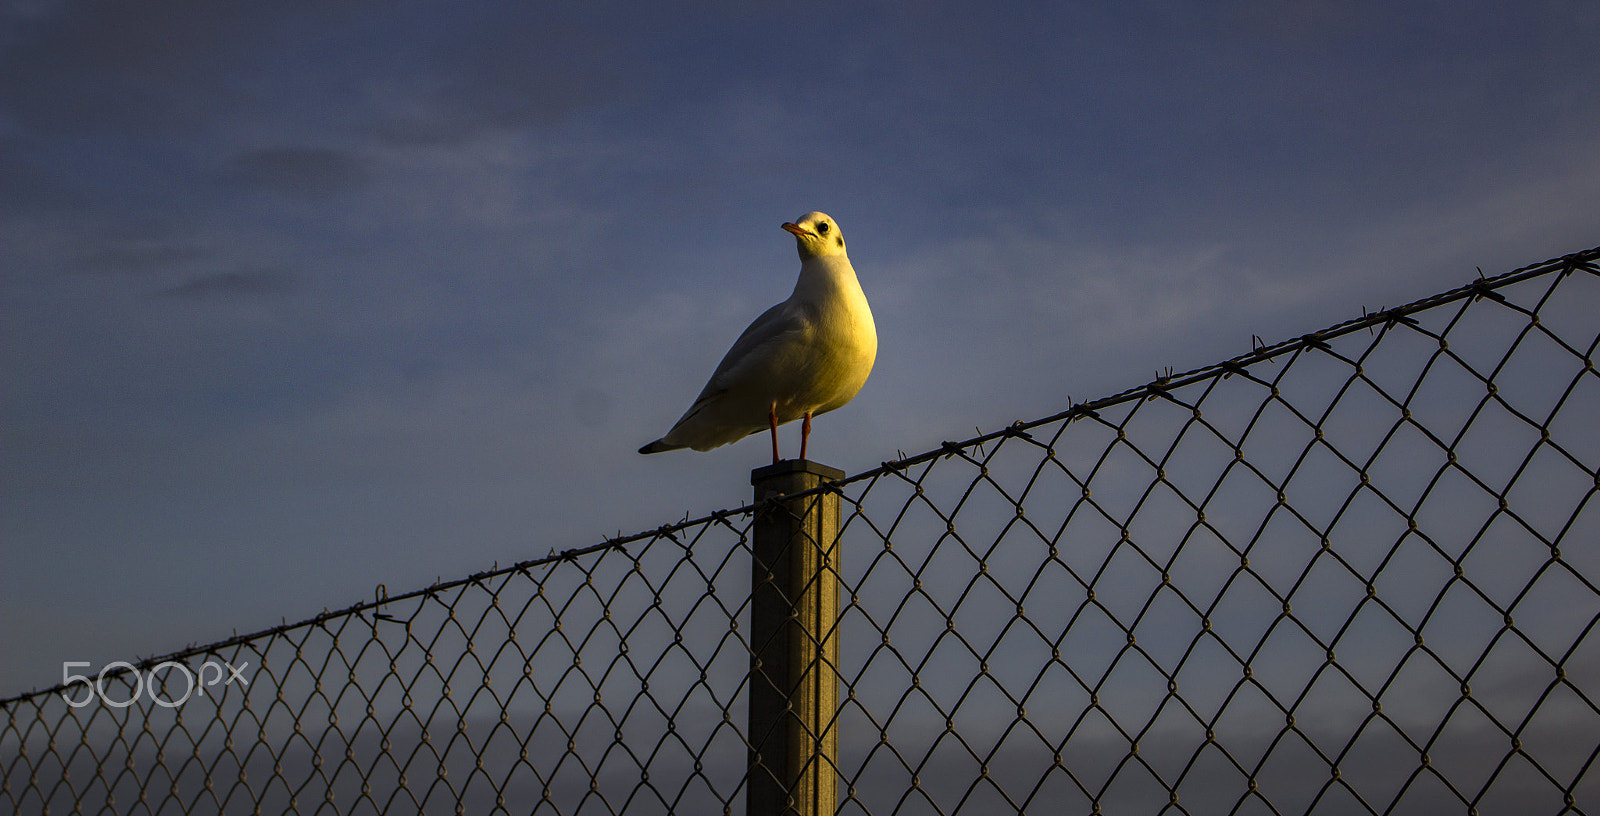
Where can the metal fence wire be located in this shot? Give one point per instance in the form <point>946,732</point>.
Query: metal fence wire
<point>1353,572</point>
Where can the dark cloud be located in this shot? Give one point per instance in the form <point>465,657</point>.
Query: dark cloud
<point>228,285</point>
<point>416,73</point>
<point>310,173</point>
<point>141,256</point>
<point>523,69</point>
<point>94,66</point>
<point>25,183</point>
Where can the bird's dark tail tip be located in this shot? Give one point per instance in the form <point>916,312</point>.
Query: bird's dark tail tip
<point>656,447</point>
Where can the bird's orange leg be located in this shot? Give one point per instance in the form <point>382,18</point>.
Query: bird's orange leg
<point>772,418</point>
<point>805,431</point>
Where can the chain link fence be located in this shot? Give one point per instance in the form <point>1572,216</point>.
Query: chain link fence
<point>1354,572</point>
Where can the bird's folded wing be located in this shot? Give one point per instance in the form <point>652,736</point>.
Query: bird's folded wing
<point>774,327</point>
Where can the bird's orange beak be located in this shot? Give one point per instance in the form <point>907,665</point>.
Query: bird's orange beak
<point>797,230</point>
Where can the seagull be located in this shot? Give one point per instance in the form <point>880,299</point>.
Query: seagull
<point>801,358</point>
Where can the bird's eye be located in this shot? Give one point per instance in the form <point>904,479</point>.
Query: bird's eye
<point>823,227</point>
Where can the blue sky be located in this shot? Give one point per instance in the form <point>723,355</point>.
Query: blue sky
<point>303,298</point>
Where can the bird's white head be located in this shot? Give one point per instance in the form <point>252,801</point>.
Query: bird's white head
<point>816,235</point>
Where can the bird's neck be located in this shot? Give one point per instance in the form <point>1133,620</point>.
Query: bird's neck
<point>822,276</point>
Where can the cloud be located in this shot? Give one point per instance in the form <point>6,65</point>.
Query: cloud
<point>220,285</point>
<point>92,66</point>
<point>141,255</point>
<point>304,172</point>
<point>517,70</point>
<point>419,74</point>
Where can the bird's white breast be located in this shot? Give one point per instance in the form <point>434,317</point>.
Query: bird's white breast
<point>841,343</point>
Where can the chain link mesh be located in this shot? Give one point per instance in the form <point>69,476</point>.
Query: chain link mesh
<point>1354,572</point>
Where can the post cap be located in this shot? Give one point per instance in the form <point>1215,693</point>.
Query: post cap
<point>792,466</point>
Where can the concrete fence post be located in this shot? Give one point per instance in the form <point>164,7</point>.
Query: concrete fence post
<point>794,644</point>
